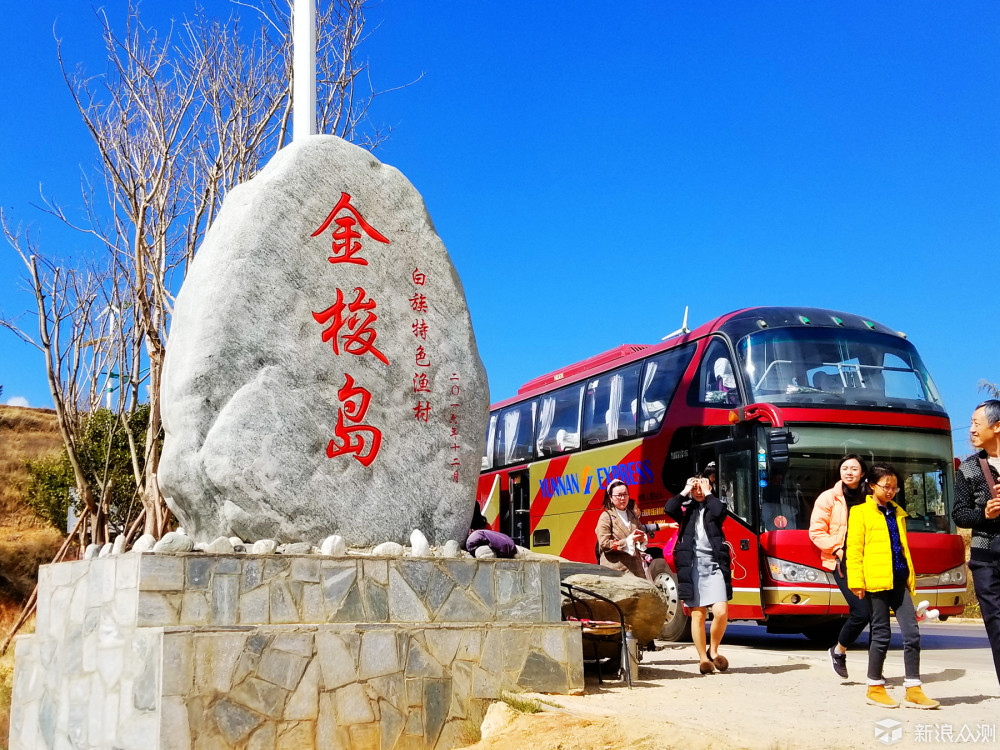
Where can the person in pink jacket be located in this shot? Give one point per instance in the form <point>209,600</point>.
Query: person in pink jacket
<point>828,530</point>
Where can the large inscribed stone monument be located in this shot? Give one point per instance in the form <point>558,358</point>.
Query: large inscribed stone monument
<point>322,375</point>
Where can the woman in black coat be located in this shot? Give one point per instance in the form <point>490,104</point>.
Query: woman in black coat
<point>702,558</point>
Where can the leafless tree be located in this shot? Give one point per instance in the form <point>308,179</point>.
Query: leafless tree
<point>77,352</point>
<point>178,118</point>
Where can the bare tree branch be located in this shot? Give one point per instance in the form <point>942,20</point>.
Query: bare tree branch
<point>177,119</point>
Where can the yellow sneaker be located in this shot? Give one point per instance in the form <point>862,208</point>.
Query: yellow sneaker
<point>915,698</point>
<point>877,696</point>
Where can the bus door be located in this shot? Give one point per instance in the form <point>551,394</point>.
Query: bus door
<point>737,483</point>
<point>514,508</point>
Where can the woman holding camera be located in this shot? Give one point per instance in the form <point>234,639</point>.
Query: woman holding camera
<point>828,531</point>
<point>703,566</point>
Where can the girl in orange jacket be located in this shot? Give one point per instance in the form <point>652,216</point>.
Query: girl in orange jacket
<point>828,531</point>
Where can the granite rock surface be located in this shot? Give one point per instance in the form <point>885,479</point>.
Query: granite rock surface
<point>322,374</point>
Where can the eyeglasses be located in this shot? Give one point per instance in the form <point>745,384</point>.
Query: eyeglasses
<point>887,490</point>
<point>620,497</point>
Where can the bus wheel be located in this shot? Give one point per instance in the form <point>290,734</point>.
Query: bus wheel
<point>825,634</point>
<point>677,626</point>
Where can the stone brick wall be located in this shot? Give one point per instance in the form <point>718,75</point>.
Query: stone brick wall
<point>194,589</point>
<point>165,652</point>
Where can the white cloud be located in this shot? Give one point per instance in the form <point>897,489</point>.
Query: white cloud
<point>17,401</point>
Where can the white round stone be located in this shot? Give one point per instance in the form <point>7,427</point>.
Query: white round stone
<point>144,543</point>
<point>173,541</point>
<point>419,546</point>
<point>264,547</point>
<point>451,549</point>
<point>220,546</point>
<point>334,546</point>
<point>388,549</point>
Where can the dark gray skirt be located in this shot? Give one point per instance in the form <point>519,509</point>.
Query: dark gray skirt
<point>708,581</point>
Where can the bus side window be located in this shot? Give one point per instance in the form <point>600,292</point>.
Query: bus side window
<point>716,381</point>
<point>659,381</point>
<point>515,428</point>
<point>610,406</point>
<point>559,421</point>
<point>491,436</point>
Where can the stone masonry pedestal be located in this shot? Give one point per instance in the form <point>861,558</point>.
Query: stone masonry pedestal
<point>244,652</point>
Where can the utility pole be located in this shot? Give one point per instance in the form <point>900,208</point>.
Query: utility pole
<point>304,69</point>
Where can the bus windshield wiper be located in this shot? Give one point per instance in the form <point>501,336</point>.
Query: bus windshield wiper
<point>793,388</point>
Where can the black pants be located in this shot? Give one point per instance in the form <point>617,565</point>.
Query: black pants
<point>860,612</point>
<point>986,577</point>
<point>898,600</point>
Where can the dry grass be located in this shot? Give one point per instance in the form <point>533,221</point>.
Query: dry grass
<point>26,541</point>
<point>20,558</point>
<point>24,434</point>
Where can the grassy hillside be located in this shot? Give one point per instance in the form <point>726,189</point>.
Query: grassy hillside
<point>24,433</point>
<point>26,541</point>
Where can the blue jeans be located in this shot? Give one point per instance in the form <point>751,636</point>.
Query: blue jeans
<point>898,600</point>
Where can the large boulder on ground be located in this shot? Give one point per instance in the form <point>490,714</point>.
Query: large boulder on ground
<point>641,602</point>
<point>322,375</point>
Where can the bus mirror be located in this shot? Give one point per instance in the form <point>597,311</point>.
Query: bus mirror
<point>778,441</point>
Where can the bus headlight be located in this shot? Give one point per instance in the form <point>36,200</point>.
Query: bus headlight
<point>952,577</point>
<point>955,576</point>
<point>789,572</point>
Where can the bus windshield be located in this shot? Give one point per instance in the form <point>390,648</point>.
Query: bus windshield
<point>830,366</point>
<point>921,459</point>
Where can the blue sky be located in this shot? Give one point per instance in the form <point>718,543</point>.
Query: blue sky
<point>593,171</point>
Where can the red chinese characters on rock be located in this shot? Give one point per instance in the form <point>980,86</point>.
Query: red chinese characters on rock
<point>350,435</point>
<point>422,410</point>
<point>346,245</point>
<point>354,331</point>
<point>456,391</point>
<point>421,359</point>
<point>421,382</point>
<point>350,328</point>
<point>418,303</point>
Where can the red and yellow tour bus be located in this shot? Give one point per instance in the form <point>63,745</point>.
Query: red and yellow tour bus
<point>775,396</point>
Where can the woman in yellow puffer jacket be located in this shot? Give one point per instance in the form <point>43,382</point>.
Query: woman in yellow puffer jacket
<point>879,568</point>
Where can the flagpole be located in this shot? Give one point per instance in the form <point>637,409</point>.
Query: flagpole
<point>304,69</point>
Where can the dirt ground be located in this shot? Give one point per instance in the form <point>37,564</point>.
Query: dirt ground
<point>767,700</point>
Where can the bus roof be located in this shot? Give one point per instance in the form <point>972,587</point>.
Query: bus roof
<point>734,325</point>
<point>591,364</point>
